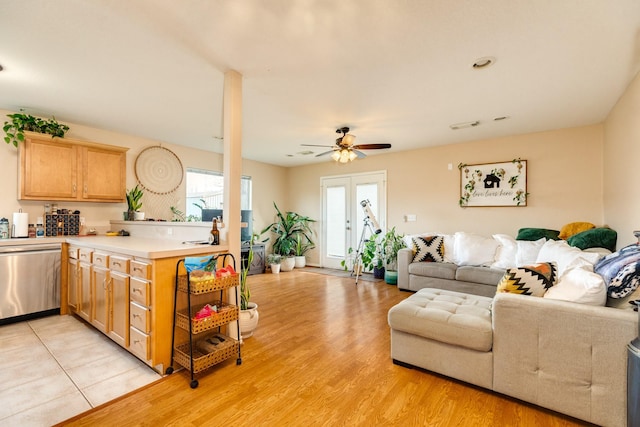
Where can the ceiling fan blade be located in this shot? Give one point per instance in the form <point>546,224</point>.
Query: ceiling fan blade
<point>314,145</point>
<point>325,153</point>
<point>360,154</point>
<point>371,146</point>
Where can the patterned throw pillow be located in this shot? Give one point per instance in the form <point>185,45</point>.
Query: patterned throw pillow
<point>428,249</point>
<point>529,280</point>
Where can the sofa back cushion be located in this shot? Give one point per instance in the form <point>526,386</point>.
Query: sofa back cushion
<point>472,249</point>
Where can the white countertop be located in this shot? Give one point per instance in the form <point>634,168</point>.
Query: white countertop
<point>143,246</point>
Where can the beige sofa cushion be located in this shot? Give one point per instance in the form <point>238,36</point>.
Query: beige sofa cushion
<point>449,317</point>
<point>439,270</point>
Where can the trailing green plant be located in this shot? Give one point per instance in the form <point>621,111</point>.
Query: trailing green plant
<point>19,123</point>
<point>288,227</point>
<point>134,197</point>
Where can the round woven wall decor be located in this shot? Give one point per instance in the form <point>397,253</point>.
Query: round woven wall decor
<point>159,170</point>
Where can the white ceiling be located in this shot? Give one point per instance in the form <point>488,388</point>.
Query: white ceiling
<point>395,71</point>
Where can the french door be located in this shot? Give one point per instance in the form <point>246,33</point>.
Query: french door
<point>343,213</point>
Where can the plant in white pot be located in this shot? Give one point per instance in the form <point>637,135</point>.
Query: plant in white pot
<point>248,310</point>
<point>134,204</point>
<point>274,261</point>
<point>303,245</point>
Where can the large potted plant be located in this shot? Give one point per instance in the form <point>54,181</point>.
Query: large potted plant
<point>288,228</point>
<point>248,310</point>
<point>14,129</point>
<point>371,257</point>
<point>391,243</point>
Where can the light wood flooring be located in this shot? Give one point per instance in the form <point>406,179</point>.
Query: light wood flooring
<point>320,357</point>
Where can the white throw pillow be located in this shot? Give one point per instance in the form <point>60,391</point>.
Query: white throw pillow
<point>506,252</point>
<point>580,286</point>
<point>566,256</point>
<point>471,249</point>
<point>449,248</point>
<point>528,250</point>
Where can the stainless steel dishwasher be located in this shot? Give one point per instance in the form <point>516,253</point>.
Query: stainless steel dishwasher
<point>29,281</point>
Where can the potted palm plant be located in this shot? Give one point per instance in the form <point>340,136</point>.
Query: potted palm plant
<point>286,228</point>
<point>391,243</point>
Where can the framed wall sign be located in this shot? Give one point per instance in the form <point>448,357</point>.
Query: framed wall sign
<point>493,184</point>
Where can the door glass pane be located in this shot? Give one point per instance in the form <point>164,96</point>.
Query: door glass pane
<point>336,222</point>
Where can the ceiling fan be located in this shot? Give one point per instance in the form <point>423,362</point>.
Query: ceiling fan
<point>344,151</point>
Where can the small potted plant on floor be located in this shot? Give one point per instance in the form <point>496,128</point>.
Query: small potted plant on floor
<point>274,261</point>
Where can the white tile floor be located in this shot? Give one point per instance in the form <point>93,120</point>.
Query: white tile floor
<point>56,367</point>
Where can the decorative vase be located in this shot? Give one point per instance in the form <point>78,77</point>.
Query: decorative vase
<point>288,263</point>
<point>275,268</point>
<point>138,216</point>
<point>378,273</point>
<point>249,320</point>
<point>300,261</point>
<point>391,277</point>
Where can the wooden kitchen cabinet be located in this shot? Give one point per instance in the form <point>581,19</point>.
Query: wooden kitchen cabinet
<point>119,308</point>
<point>73,291</point>
<point>100,298</point>
<point>63,169</point>
<point>84,280</point>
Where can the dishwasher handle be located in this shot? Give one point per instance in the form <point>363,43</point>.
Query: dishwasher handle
<point>7,250</point>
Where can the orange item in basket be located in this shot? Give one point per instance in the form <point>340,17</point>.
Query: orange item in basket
<point>225,271</point>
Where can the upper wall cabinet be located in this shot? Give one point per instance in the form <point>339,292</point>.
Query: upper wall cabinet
<point>63,169</point>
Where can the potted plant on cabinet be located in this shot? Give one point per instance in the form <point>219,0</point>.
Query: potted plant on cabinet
<point>391,243</point>
<point>248,310</point>
<point>287,227</point>
<point>274,261</point>
<point>134,203</point>
<point>14,129</point>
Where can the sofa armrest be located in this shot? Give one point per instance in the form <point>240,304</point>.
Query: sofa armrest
<point>405,256</point>
<point>564,356</point>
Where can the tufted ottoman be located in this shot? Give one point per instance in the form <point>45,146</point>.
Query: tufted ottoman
<point>445,332</point>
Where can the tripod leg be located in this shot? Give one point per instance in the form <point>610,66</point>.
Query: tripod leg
<point>357,265</point>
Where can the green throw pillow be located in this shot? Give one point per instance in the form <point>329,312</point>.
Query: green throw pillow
<point>595,238</point>
<point>533,234</point>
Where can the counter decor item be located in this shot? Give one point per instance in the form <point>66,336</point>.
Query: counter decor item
<point>134,203</point>
<point>14,129</point>
<point>4,228</point>
<point>20,224</point>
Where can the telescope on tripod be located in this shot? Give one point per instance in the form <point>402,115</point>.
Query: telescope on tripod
<point>371,224</point>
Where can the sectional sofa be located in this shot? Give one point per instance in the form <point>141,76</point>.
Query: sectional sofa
<point>565,351</point>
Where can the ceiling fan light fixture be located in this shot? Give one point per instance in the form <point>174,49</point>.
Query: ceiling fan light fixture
<point>348,139</point>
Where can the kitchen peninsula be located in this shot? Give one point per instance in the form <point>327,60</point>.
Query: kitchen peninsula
<point>124,286</point>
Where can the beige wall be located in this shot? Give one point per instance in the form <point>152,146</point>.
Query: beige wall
<point>268,180</point>
<point>621,157</point>
<point>564,180</point>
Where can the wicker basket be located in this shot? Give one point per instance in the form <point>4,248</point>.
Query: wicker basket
<point>226,313</point>
<point>210,285</point>
<point>202,361</point>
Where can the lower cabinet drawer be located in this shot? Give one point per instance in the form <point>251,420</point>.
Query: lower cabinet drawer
<point>139,343</point>
<point>140,317</point>
<point>139,291</point>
